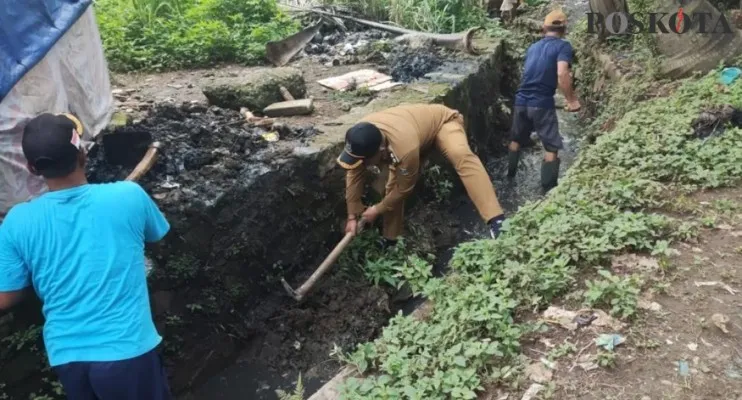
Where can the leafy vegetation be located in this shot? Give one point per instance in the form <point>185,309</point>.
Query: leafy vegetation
<point>443,16</point>
<point>170,34</point>
<point>297,394</point>
<point>601,207</point>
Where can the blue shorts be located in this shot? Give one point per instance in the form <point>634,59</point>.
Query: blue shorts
<point>138,378</point>
<point>542,120</point>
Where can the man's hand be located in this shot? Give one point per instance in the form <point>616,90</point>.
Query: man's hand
<point>351,226</point>
<point>371,214</point>
<point>573,106</point>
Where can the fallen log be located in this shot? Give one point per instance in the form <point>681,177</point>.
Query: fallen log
<point>456,41</point>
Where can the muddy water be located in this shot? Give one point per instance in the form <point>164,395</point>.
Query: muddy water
<point>250,380</point>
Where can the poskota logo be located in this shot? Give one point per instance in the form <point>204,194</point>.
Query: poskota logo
<point>679,22</point>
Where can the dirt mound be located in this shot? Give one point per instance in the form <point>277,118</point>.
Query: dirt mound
<point>407,64</point>
<point>206,149</point>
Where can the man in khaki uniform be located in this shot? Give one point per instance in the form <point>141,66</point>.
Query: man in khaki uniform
<point>401,136</point>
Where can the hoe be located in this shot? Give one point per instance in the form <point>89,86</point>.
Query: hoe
<point>299,294</point>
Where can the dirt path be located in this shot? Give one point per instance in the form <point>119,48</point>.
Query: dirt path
<point>136,93</point>
<point>686,342</point>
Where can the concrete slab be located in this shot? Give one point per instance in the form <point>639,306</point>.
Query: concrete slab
<point>289,108</point>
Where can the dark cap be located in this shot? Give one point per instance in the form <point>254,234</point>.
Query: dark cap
<point>52,142</point>
<point>361,141</point>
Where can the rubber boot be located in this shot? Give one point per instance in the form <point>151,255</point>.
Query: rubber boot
<point>387,244</point>
<point>549,174</point>
<point>513,159</point>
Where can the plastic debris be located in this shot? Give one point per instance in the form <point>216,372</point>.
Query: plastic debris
<point>365,78</point>
<point>609,341</point>
<point>683,368</point>
<point>729,75</point>
<point>692,346</point>
<point>270,136</point>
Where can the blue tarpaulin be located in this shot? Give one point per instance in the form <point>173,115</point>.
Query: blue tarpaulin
<point>28,29</point>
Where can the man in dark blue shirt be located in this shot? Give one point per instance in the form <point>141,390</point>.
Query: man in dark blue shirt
<point>547,67</point>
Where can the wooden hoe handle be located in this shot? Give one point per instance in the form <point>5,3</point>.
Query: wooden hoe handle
<point>149,159</point>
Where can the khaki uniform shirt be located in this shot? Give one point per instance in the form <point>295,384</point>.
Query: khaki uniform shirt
<point>410,131</point>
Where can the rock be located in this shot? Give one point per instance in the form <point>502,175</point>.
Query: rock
<point>255,90</point>
<point>289,108</point>
<point>721,321</point>
<point>649,305</point>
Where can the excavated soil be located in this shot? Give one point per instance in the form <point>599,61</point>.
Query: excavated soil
<point>205,150</point>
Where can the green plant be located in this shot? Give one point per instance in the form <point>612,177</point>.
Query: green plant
<point>606,359</point>
<point>561,351</point>
<point>158,35</point>
<point>297,394</point>
<point>423,15</point>
<point>600,208</point>
<point>439,181</point>
<point>619,293</point>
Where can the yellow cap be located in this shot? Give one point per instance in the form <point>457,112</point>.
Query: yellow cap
<point>555,18</point>
<point>78,124</point>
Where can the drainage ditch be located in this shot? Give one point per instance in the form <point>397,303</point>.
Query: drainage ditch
<point>246,211</point>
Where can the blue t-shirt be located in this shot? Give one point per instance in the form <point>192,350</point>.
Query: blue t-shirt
<point>539,82</point>
<point>82,249</point>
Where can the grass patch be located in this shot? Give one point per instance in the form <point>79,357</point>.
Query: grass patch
<point>600,208</point>
<point>443,16</point>
<point>172,34</point>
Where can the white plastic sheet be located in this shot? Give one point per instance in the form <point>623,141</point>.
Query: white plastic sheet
<point>72,77</point>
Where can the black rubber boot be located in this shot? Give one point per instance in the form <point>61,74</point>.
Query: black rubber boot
<point>513,159</point>
<point>387,243</point>
<point>549,174</point>
<point>495,224</point>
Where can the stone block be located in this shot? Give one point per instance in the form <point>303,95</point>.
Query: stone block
<point>289,108</point>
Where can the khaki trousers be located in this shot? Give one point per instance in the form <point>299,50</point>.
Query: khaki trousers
<point>451,141</point>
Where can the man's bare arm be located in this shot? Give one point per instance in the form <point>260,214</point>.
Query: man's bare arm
<point>565,81</point>
<point>9,300</point>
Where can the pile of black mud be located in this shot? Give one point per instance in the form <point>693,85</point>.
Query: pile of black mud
<point>408,64</point>
<point>204,150</point>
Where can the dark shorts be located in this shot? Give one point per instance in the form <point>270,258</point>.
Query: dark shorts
<point>542,120</point>
<point>139,378</point>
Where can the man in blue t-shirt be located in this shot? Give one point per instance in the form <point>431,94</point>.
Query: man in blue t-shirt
<point>81,247</point>
<point>547,67</point>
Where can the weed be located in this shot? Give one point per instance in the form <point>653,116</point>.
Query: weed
<point>562,350</point>
<point>606,359</point>
<point>26,339</point>
<point>423,15</point>
<point>439,181</point>
<point>158,35</point>
<point>297,394</point>
<point>709,221</point>
<point>620,294</point>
